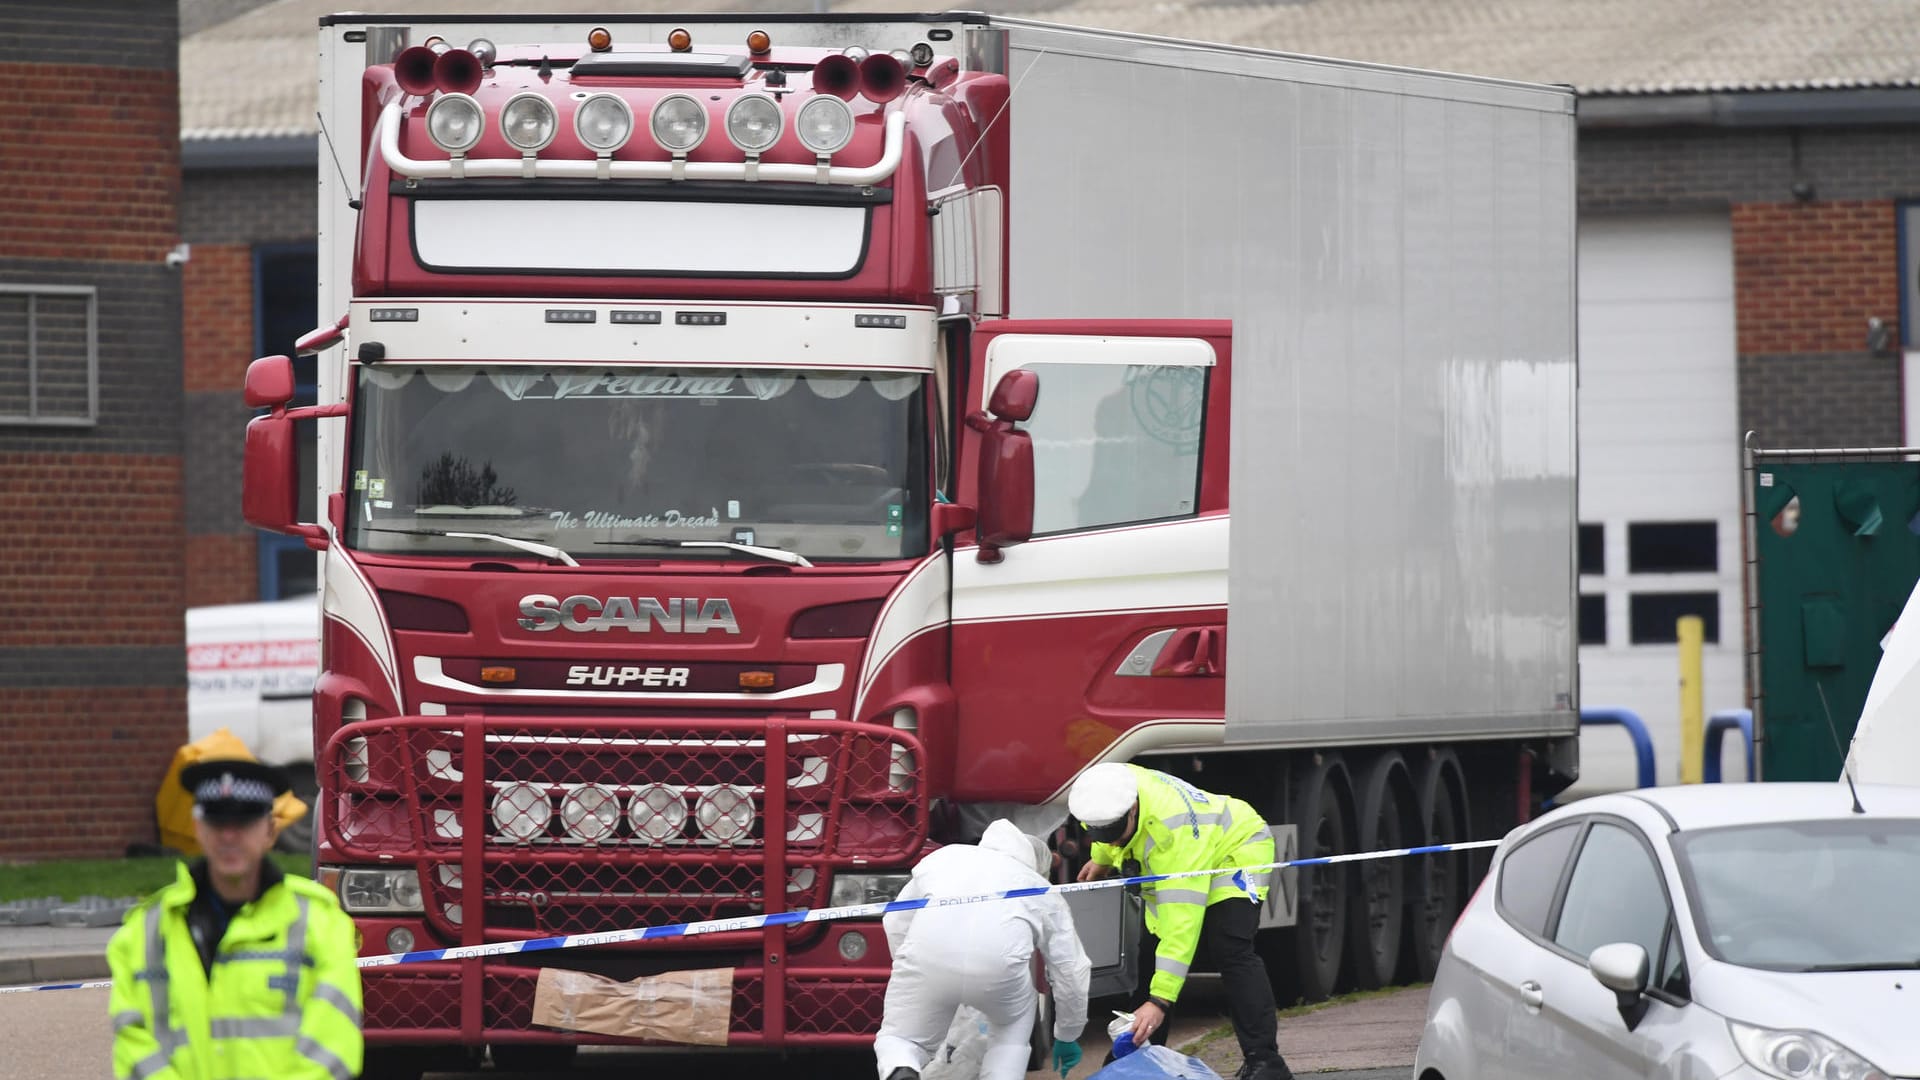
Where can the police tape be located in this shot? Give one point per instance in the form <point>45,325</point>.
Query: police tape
<point>1235,874</point>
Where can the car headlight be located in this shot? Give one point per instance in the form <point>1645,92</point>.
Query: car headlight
<point>679,123</point>
<point>825,125</point>
<point>725,814</point>
<point>528,121</point>
<point>521,811</point>
<point>852,889</point>
<point>454,123</point>
<point>603,123</point>
<point>1800,1055</point>
<point>754,122</point>
<point>375,891</point>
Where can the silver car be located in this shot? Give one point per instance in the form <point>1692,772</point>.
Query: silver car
<point>1703,931</point>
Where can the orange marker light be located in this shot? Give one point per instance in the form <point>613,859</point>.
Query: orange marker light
<point>758,43</point>
<point>756,680</point>
<point>599,39</point>
<point>679,40</point>
<point>498,674</point>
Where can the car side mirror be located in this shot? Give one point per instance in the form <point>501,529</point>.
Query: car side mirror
<point>1623,968</point>
<point>1005,481</point>
<point>269,382</point>
<point>270,461</point>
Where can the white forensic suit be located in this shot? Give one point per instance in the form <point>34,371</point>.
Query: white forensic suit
<point>980,955</point>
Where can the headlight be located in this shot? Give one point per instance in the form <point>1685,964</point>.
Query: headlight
<point>1799,1055</point>
<point>825,124</point>
<point>679,123</point>
<point>454,123</point>
<point>604,123</point>
<point>375,891</point>
<point>754,122</point>
<point>851,889</point>
<point>521,811</point>
<point>657,813</point>
<point>725,814</point>
<point>528,122</point>
<point>590,812</point>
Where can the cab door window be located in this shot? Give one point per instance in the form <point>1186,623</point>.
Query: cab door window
<point>1115,444</point>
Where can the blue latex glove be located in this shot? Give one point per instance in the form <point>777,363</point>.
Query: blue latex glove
<point>1065,1056</point>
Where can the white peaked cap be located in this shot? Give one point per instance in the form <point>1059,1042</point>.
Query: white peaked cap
<point>1103,794</point>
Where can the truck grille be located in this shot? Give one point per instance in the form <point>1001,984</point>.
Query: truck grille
<point>572,825</point>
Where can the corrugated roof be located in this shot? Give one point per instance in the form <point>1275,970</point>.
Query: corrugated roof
<point>252,73</point>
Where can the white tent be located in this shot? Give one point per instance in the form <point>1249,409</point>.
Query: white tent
<point>1886,743</point>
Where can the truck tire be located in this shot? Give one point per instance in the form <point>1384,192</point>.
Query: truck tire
<point>533,1057</point>
<point>1378,921</point>
<point>1437,890</point>
<point>1306,965</point>
<point>299,836</point>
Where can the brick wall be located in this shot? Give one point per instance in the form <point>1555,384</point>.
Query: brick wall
<point>225,213</point>
<point>1815,255</point>
<point>92,664</point>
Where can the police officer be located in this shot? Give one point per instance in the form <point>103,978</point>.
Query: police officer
<point>1170,827</point>
<point>236,969</point>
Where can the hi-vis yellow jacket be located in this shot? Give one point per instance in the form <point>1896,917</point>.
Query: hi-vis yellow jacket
<point>1183,828</point>
<point>283,1001</point>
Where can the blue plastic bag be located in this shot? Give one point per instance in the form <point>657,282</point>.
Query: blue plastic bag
<point>1154,1062</point>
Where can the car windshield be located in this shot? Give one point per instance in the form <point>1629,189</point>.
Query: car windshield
<point>604,462</point>
<point>1807,896</point>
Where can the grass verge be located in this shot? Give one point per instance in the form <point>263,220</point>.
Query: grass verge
<point>1225,1031</point>
<point>71,879</point>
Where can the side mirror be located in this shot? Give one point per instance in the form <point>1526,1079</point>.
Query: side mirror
<point>269,498</point>
<point>1015,395</point>
<point>1005,514</point>
<point>1624,969</point>
<point>269,382</point>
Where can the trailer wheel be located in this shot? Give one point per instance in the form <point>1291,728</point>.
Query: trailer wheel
<point>533,1057</point>
<point>1380,894</point>
<point>299,836</point>
<point>1307,967</point>
<point>1438,887</point>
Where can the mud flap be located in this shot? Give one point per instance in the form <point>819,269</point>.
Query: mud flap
<point>1111,923</point>
<point>1283,892</point>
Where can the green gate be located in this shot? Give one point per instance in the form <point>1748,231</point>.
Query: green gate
<point>1836,552</point>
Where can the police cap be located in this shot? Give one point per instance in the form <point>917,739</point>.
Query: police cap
<point>233,790</point>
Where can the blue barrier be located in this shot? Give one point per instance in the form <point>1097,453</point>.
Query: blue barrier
<point>1636,730</point>
<point>1717,725</point>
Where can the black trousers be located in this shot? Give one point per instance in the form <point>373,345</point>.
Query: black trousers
<point>1226,937</point>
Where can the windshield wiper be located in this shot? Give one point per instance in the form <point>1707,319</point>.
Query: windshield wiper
<point>775,554</point>
<point>533,546</point>
<point>1868,965</point>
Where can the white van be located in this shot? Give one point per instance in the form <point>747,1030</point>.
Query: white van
<point>250,669</point>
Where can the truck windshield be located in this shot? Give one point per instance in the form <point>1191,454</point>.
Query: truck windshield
<point>611,463</point>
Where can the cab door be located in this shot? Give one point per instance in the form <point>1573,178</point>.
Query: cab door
<point>1098,630</point>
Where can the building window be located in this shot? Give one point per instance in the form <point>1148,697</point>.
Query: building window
<point>49,355</point>
<point>1593,620</point>
<point>1678,547</point>
<point>1652,617</point>
<point>285,284</point>
<point>1593,549</point>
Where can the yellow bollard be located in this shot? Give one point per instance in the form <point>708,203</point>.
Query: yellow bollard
<point>1693,732</point>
